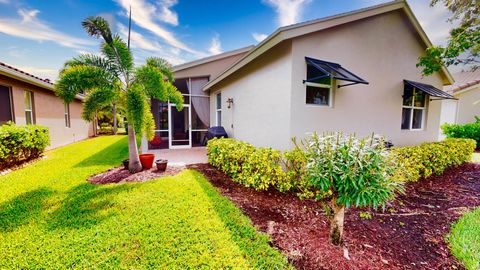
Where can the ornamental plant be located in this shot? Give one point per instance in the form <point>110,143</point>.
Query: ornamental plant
<point>349,171</point>
<point>111,78</point>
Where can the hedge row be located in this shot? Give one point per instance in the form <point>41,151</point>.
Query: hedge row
<point>466,131</point>
<point>19,143</point>
<point>433,158</point>
<point>262,168</point>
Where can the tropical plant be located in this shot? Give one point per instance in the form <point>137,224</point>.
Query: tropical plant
<point>349,171</point>
<point>111,78</point>
<point>463,45</point>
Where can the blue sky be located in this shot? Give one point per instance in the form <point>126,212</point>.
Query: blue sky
<point>38,36</point>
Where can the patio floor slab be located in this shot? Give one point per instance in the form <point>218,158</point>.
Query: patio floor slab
<point>182,157</point>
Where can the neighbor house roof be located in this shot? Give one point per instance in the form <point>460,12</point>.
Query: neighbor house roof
<point>464,81</point>
<point>23,76</point>
<point>212,58</point>
<point>299,29</point>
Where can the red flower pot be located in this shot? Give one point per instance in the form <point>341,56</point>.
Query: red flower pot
<point>147,160</point>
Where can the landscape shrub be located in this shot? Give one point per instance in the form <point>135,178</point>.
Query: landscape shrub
<point>433,158</point>
<point>466,131</point>
<point>19,143</point>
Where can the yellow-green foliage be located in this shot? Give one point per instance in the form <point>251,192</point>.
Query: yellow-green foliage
<point>433,158</point>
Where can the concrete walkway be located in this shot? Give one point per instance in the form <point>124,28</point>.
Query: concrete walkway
<point>182,157</point>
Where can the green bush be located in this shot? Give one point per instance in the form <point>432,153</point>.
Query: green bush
<point>467,131</point>
<point>19,143</point>
<point>433,158</point>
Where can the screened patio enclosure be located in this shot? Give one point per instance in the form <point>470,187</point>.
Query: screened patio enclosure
<point>185,128</point>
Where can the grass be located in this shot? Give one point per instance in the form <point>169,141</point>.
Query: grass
<point>464,240</point>
<point>50,218</point>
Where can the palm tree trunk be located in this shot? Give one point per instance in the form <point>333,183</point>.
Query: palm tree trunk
<point>336,224</point>
<point>134,164</point>
<point>114,118</point>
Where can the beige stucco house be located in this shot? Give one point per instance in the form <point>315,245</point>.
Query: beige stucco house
<point>467,91</point>
<point>353,72</point>
<point>27,99</point>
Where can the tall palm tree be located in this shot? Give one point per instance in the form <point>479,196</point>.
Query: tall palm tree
<point>111,78</point>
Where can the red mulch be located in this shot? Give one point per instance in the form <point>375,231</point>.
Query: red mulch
<point>120,175</point>
<point>408,235</point>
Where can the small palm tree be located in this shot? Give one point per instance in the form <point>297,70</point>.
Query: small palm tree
<point>111,78</point>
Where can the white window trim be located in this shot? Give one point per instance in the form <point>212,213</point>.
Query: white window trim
<point>412,108</point>
<point>67,115</point>
<point>30,111</point>
<point>216,108</point>
<point>320,85</point>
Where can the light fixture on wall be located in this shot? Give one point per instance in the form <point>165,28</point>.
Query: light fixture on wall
<point>230,102</point>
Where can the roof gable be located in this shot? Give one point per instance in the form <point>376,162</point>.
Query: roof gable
<point>296,30</point>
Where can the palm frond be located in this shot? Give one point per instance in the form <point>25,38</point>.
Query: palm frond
<point>98,27</point>
<point>93,60</point>
<point>97,99</point>
<point>117,51</point>
<point>79,79</point>
<point>153,82</point>
<point>163,65</point>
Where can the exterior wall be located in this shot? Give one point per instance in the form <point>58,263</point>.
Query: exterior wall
<point>261,94</point>
<point>382,50</point>
<point>468,105</point>
<point>448,114</point>
<point>210,69</point>
<point>48,111</point>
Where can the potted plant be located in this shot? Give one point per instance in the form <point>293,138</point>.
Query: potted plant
<point>125,164</point>
<point>161,164</point>
<point>147,160</point>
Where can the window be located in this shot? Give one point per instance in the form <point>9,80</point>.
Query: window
<point>319,92</point>
<point>6,112</point>
<point>67,115</point>
<point>28,96</point>
<point>219,109</point>
<point>414,108</point>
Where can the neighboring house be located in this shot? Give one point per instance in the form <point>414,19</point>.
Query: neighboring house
<point>467,90</point>
<point>354,72</point>
<point>26,99</point>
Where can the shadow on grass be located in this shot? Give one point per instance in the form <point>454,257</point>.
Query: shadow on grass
<point>111,155</point>
<point>22,209</point>
<point>254,246</point>
<point>86,205</point>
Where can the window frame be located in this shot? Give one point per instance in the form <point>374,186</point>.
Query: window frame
<point>323,86</point>
<point>10,99</point>
<point>66,116</point>
<point>218,109</point>
<point>412,108</point>
<point>31,111</point>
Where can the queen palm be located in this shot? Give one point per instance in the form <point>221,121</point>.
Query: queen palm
<point>110,78</point>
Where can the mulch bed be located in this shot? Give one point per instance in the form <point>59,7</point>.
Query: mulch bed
<point>409,234</point>
<point>120,175</point>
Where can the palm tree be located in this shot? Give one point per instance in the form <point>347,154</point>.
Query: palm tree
<point>111,78</point>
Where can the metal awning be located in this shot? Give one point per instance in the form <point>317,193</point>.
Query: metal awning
<point>429,89</point>
<point>334,71</point>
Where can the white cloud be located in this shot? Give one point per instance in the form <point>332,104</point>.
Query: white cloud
<point>166,14</point>
<point>215,46</point>
<point>28,26</point>
<point>288,11</point>
<point>44,73</point>
<point>4,1</point>
<point>147,16</point>
<point>433,20</point>
<point>259,37</point>
<point>137,40</point>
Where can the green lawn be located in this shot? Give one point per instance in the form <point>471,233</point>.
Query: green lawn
<point>51,218</point>
<point>465,240</point>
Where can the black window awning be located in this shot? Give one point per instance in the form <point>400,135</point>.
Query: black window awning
<point>429,89</point>
<point>334,71</point>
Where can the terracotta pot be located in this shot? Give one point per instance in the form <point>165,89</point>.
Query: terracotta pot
<point>161,164</point>
<point>147,160</point>
<point>125,164</point>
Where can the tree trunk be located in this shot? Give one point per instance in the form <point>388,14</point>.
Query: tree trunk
<point>114,118</point>
<point>134,164</point>
<point>95,124</point>
<point>336,224</point>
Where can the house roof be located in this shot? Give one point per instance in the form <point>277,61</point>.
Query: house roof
<point>212,58</point>
<point>299,29</point>
<point>23,76</point>
<point>464,80</point>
